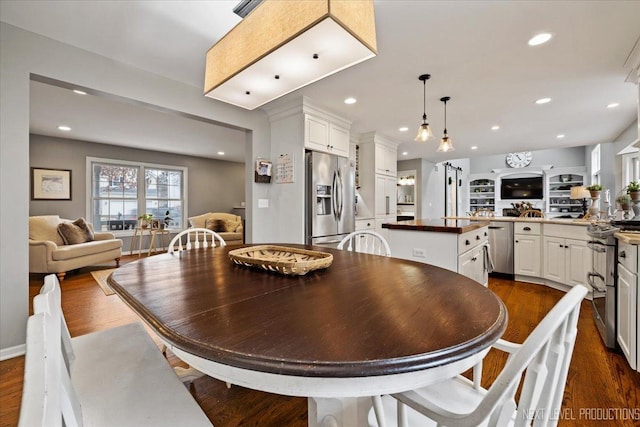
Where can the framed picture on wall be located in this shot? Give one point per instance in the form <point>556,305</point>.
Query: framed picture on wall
<point>50,184</point>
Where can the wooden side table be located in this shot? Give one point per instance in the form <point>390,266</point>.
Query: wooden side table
<point>138,235</point>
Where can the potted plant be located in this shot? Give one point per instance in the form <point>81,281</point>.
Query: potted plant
<point>595,190</point>
<point>145,220</point>
<point>624,201</point>
<point>633,190</point>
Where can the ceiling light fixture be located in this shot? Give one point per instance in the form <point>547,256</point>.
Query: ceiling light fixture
<point>446,144</point>
<point>495,127</point>
<point>309,40</point>
<point>543,100</point>
<point>79,92</point>
<point>424,131</point>
<point>613,105</point>
<point>475,147</point>
<point>404,153</point>
<point>539,39</point>
<point>64,128</point>
<point>220,153</point>
<point>350,101</point>
<point>403,129</point>
<point>560,136</point>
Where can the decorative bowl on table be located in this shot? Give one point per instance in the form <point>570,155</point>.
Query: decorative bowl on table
<point>281,259</point>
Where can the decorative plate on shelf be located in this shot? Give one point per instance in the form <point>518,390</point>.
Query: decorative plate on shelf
<point>281,259</point>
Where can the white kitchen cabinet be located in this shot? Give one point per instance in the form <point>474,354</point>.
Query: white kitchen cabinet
<point>459,252</point>
<point>386,160</point>
<point>526,255</point>
<point>471,264</point>
<point>378,190</point>
<point>527,249</point>
<point>565,255</point>
<point>365,224</point>
<point>627,302</point>
<point>322,135</point>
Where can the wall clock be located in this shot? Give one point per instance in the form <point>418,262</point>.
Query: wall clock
<point>519,159</point>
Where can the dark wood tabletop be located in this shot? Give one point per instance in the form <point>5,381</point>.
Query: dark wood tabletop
<point>365,315</point>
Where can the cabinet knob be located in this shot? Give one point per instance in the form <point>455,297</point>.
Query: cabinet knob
<point>527,228</point>
<point>562,246</point>
<point>477,237</point>
<point>622,254</point>
<point>517,241</point>
<point>485,234</point>
<point>466,242</point>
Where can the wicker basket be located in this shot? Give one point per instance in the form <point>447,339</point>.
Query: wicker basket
<point>281,259</point>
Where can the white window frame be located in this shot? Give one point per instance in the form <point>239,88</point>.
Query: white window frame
<point>595,165</point>
<point>141,184</point>
<point>630,168</point>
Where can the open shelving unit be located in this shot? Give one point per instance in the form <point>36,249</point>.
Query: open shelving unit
<point>482,194</point>
<point>559,194</point>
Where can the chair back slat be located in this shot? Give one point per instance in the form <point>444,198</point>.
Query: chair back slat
<point>195,238</point>
<point>51,338</point>
<point>365,241</point>
<point>50,301</point>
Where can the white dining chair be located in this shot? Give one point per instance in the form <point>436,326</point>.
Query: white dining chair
<point>195,238</point>
<point>545,356</point>
<point>365,241</point>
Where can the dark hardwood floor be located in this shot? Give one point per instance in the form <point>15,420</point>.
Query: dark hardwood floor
<point>600,387</point>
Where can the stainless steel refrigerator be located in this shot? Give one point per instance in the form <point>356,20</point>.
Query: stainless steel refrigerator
<point>330,194</point>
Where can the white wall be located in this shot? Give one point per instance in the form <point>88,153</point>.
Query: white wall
<point>23,53</point>
<point>557,157</point>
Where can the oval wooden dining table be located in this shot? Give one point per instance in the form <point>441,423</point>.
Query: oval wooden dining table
<point>366,325</point>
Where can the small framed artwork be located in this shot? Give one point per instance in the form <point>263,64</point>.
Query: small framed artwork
<point>50,184</point>
<point>262,172</point>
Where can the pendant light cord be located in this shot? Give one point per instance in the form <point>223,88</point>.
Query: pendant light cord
<point>445,117</point>
<point>424,101</point>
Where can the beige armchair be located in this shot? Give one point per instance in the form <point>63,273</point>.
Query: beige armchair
<point>49,254</point>
<point>233,233</point>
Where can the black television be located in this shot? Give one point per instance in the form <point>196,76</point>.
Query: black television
<point>521,188</point>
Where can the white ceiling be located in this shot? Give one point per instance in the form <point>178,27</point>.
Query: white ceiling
<point>475,51</point>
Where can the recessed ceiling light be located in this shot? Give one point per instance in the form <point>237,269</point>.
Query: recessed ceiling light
<point>496,127</point>
<point>64,128</point>
<point>350,101</point>
<point>403,129</point>
<point>613,105</point>
<point>560,136</point>
<point>220,153</point>
<point>539,39</point>
<point>475,147</point>
<point>404,153</point>
<point>79,92</point>
<point>543,100</point>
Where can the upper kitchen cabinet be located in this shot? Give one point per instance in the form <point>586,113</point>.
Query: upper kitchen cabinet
<point>325,135</point>
<point>386,159</point>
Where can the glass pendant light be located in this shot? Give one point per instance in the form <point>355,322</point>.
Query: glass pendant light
<point>424,131</point>
<point>446,144</point>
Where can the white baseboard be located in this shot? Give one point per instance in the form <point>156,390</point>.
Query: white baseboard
<point>11,352</point>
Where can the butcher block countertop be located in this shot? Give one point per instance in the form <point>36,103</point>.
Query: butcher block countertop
<point>630,238</point>
<point>457,226</point>
<point>560,221</point>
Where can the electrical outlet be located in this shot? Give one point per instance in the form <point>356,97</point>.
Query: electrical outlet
<point>419,253</point>
<point>263,203</point>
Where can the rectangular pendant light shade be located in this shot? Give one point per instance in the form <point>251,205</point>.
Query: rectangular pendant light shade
<point>281,38</point>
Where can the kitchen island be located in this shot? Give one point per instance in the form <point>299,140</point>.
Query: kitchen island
<point>458,245</point>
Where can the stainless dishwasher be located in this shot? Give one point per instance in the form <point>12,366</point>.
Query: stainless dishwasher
<point>501,246</point>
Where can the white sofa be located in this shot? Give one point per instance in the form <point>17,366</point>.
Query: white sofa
<point>49,254</point>
<point>233,234</point>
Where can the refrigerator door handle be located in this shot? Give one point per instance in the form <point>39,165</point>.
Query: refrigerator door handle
<point>387,205</point>
<point>340,195</point>
<point>334,201</point>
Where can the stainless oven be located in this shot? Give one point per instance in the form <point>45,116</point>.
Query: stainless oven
<point>602,279</point>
